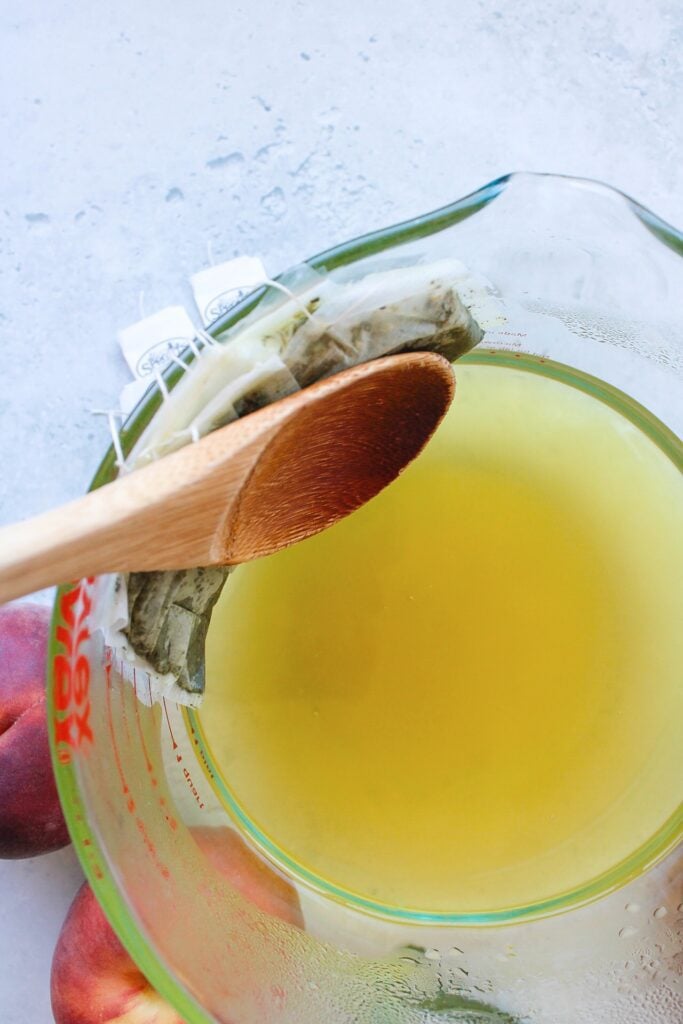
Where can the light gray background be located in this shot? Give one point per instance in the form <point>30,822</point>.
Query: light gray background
<point>139,136</point>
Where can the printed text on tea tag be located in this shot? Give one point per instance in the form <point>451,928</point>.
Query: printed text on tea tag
<point>219,288</point>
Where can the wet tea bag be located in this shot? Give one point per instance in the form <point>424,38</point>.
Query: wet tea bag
<point>384,314</point>
<point>323,328</point>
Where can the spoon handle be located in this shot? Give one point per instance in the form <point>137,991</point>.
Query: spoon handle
<point>100,532</point>
<point>162,516</point>
<point>60,545</point>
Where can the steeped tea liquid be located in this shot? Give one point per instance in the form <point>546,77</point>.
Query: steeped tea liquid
<point>467,696</point>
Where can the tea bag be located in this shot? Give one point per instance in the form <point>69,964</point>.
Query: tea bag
<point>327,327</point>
<point>169,614</point>
<point>433,319</point>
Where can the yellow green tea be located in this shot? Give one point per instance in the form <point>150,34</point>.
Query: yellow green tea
<point>467,696</point>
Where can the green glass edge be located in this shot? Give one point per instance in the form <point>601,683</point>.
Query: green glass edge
<point>112,901</point>
<point>96,867</point>
<point>642,418</point>
<point>644,858</point>
<point>641,860</point>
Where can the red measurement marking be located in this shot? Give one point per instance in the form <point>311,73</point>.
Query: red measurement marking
<point>170,820</point>
<point>149,690</point>
<point>148,762</point>
<point>149,843</point>
<point>203,757</point>
<point>117,757</point>
<point>193,789</point>
<point>124,716</point>
<point>168,722</point>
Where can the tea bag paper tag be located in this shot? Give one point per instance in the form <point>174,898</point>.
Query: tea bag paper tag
<point>219,288</point>
<point>149,344</point>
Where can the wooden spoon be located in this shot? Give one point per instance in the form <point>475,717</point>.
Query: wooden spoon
<point>268,480</point>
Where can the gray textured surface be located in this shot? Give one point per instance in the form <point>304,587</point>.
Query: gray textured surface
<point>138,137</point>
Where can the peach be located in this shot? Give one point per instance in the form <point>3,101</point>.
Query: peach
<point>94,981</point>
<point>93,977</point>
<point>31,819</point>
<point>247,873</point>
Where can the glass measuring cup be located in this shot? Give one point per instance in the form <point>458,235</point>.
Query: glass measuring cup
<point>588,279</point>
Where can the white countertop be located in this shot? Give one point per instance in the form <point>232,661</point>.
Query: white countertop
<point>141,140</point>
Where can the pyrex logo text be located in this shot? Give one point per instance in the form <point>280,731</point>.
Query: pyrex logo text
<point>71,672</point>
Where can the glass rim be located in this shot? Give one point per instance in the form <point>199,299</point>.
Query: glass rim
<point>97,869</point>
<point>634,864</point>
